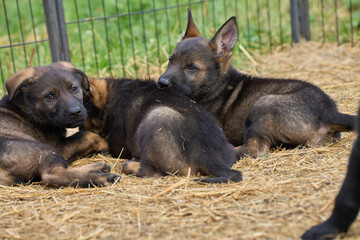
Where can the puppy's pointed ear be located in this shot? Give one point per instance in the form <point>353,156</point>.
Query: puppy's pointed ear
<point>191,29</point>
<point>84,82</point>
<point>14,83</point>
<point>225,38</point>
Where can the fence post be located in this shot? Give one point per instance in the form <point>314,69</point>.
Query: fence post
<point>299,11</point>
<point>56,28</point>
<point>295,33</point>
<point>304,19</point>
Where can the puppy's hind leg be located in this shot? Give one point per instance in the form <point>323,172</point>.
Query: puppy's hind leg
<point>253,147</point>
<point>218,164</point>
<point>140,169</point>
<point>5,178</point>
<point>131,167</point>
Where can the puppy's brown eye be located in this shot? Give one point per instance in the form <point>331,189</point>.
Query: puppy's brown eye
<point>171,59</point>
<point>74,89</point>
<point>191,67</point>
<point>49,96</point>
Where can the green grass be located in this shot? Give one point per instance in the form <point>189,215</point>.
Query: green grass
<point>154,34</point>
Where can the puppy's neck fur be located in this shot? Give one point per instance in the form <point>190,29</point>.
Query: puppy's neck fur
<point>99,93</point>
<point>99,97</point>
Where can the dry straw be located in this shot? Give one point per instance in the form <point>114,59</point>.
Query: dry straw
<point>281,195</point>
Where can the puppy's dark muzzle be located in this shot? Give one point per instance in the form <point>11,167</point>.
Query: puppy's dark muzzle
<point>76,116</point>
<point>163,82</point>
<point>74,112</point>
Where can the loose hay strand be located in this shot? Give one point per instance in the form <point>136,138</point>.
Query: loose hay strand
<point>176,185</point>
<point>247,54</point>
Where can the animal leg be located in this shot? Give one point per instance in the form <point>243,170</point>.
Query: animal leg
<point>131,167</point>
<point>253,147</point>
<point>95,174</point>
<point>347,202</point>
<point>140,169</point>
<point>5,178</point>
<point>322,139</point>
<point>82,144</point>
<point>223,176</point>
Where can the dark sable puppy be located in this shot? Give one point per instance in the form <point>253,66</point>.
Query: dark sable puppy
<point>255,113</point>
<point>347,202</point>
<point>163,132</point>
<point>42,102</point>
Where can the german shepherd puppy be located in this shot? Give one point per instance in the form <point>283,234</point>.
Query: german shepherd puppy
<point>164,132</point>
<point>347,202</point>
<point>255,113</point>
<point>42,102</point>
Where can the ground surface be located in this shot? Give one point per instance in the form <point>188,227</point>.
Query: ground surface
<point>281,195</point>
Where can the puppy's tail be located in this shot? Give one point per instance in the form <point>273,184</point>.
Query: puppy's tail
<point>342,122</point>
<point>223,177</point>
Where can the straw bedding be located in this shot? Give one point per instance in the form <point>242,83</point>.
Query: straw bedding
<point>282,194</point>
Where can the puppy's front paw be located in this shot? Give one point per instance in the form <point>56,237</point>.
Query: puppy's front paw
<point>98,144</point>
<point>98,167</point>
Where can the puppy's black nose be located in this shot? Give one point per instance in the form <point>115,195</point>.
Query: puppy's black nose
<point>163,82</point>
<point>74,111</point>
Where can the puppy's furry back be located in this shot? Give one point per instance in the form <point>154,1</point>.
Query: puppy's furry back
<point>163,129</point>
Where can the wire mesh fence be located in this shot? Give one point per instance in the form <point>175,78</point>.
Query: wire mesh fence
<point>126,38</point>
